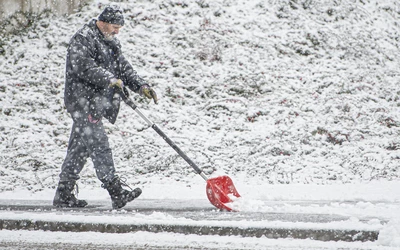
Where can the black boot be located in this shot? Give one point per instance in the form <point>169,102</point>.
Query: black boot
<point>64,196</point>
<point>120,196</point>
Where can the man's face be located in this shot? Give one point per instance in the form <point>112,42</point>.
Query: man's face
<point>110,30</point>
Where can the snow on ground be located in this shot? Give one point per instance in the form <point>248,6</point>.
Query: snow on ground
<point>373,206</point>
<point>295,100</point>
<point>145,240</point>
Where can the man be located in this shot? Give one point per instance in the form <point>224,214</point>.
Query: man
<point>96,73</point>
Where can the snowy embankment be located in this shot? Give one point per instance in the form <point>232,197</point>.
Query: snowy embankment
<point>292,93</point>
<point>276,92</point>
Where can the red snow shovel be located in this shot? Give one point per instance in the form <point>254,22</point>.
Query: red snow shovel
<point>218,189</point>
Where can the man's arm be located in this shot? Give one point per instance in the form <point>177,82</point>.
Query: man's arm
<point>135,82</point>
<point>129,76</point>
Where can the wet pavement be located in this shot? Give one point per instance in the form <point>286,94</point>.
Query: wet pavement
<point>203,218</point>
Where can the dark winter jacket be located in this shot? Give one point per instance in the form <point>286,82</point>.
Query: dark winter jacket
<point>91,63</point>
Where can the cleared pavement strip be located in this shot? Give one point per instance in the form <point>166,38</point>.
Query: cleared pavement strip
<point>273,233</point>
<point>195,211</point>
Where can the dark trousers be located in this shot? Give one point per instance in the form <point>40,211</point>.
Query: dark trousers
<point>88,139</point>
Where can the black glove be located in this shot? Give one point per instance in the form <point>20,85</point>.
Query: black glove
<point>147,91</point>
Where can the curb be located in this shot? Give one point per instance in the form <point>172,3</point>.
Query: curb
<point>271,233</point>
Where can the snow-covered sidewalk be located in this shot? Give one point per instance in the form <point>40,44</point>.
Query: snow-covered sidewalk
<point>146,240</point>
<point>371,207</point>
<point>189,217</point>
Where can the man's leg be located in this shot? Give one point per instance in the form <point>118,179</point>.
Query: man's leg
<point>77,155</point>
<point>96,140</point>
<point>90,139</point>
<point>72,166</point>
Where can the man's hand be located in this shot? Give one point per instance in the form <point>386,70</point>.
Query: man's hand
<point>116,83</point>
<point>148,92</point>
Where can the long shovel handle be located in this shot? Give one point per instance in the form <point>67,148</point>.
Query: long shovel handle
<point>131,104</point>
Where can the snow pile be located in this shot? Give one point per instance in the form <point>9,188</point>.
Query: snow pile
<point>390,234</point>
<point>286,91</point>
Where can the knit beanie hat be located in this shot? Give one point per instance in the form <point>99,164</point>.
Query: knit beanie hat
<point>112,15</point>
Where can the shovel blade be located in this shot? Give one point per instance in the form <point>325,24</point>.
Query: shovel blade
<point>218,190</point>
